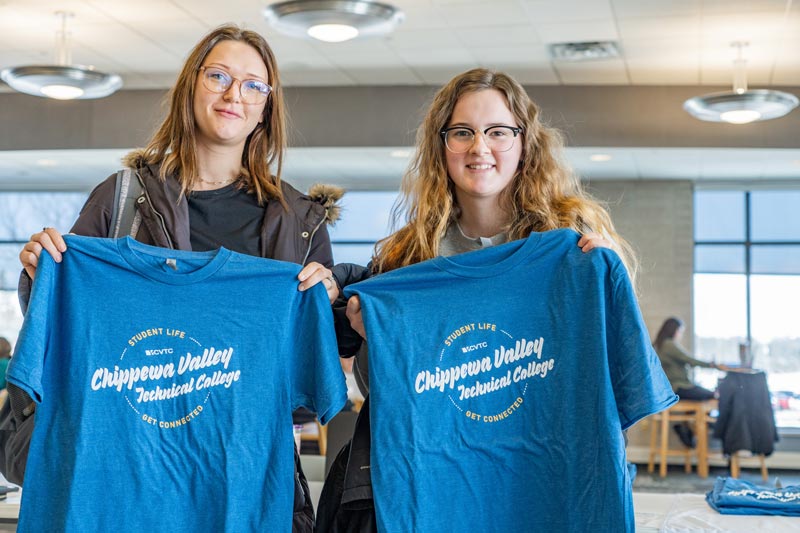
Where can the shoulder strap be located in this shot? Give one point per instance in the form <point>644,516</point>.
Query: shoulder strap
<point>127,190</point>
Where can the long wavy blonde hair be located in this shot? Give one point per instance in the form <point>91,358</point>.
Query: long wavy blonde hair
<point>544,195</point>
<point>174,143</point>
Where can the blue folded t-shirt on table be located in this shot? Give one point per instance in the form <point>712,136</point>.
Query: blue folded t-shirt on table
<point>735,496</point>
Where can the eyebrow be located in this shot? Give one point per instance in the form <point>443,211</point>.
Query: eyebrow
<point>248,75</point>
<point>490,125</point>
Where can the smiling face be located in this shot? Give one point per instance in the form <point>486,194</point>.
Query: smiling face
<point>222,118</point>
<point>480,172</point>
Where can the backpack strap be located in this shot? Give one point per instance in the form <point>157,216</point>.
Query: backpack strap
<point>125,218</point>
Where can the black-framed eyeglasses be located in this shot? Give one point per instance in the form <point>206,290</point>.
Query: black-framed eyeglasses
<point>252,91</point>
<point>460,139</point>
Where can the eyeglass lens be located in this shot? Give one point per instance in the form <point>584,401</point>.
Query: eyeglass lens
<point>498,138</point>
<point>252,91</point>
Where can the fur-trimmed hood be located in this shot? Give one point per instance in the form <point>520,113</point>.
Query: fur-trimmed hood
<point>135,158</point>
<point>327,196</point>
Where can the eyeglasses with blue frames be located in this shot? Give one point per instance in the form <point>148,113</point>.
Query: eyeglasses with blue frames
<point>252,91</point>
<point>460,139</point>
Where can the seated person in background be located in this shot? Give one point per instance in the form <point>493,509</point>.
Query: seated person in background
<point>677,366</point>
<point>677,363</point>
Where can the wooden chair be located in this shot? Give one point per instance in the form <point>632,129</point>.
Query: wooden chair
<point>736,469</point>
<point>696,412</point>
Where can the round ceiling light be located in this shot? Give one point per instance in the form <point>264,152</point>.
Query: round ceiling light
<point>333,20</point>
<point>61,82</point>
<point>741,108</point>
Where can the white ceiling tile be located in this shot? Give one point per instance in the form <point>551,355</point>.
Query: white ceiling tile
<point>652,62</point>
<point>582,31</point>
<point>494,13</point>
<point>568,11</point>
<point>140,11</point>
<point>752,27</point>
<point>420,17</point>
<point>366,47</point>
<point>512,55</point>
<point>605,72</point>
<point>498,36</point>
<point>437,57</point>
<point>425,39</point>
<point>398,75</point>
<point>724,7</point>
<point>679,29</point>
<point>656,8</point>
<point>237,11</point>
<point>41,13</point>
<point>440,75</point>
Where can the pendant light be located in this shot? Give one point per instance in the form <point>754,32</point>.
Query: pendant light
<point>61,81</point>
<point>741,105</point>
<point>333,21</point>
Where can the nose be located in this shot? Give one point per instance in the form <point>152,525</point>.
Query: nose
<point>479,145</point>
<point>234,92</point>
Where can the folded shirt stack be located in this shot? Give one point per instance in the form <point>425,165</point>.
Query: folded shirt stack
<point>734,496</point>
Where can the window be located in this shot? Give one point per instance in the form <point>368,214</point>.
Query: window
<point>747,287</point>
<point>21,215</point>
<point>365,219</point>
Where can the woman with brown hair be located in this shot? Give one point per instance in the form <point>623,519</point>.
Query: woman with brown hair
<point>210,176</point>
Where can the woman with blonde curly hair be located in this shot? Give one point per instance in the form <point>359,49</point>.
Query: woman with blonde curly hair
<point>526,187</point>
<point>486,171</point>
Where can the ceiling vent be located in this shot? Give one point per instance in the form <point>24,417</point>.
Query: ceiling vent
<point>587,51</point>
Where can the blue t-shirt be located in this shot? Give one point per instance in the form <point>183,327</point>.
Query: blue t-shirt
<point>736,496</point>
<point>500,381</point>
<point>166,382</point>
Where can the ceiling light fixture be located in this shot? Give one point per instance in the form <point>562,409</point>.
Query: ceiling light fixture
<point>600,158</point>
<point>741,105</point>
<point>61,81</point>
<point>333,21</point>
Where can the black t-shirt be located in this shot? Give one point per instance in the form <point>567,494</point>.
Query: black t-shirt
<point>226,217</point>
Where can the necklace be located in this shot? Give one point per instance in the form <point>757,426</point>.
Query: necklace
<point>219,182</point>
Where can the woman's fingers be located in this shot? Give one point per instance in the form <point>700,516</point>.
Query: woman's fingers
<point>314,273</point>
<point>48,239</point>
<point>591,240</point>
<point>353,313</point>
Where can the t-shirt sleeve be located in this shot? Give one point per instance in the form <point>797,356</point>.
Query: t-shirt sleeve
<point>318,381</point>
<point>33,345</point>
<point>640,386</point>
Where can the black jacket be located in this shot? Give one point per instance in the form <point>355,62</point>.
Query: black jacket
<point>346,504</point>
<point>297,234</point>
<point>746,419</point>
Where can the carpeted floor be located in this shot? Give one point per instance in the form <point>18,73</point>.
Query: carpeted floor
<point>679,481</point>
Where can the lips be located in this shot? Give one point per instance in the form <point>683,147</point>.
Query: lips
<point>480,166</point>
<point>228,113</point>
